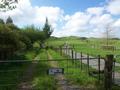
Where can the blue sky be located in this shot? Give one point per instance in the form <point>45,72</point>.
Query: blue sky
<point>69,6</point>
<point>87,18</point>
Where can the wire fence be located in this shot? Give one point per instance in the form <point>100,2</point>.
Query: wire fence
<point>95,65</point>
<point>13,71</point>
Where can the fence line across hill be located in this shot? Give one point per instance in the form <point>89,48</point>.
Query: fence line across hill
<point>83,59</point>
<point>94,66</point>
<point>97,63</point>
<point>76,64</point>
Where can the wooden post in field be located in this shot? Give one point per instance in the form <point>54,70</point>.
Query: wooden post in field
<point>76,59</point>
<point>81,59</point>
<point>88,63</point>
<point>72,56</point>
<point>66,50</point>
<point>60,50</point>
<point>108,72</point>
<point>99,67</point>
<point>69,51</point>
<point>113,71</point>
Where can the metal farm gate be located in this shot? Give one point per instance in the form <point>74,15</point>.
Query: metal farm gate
<point>62,72</point>
<point>15,75</point>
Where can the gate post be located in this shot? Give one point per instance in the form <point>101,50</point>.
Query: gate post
<point>88,63</point>
<point>72,56</point>
<point>99,67</point>
<point>113,71</point>
<point>60,50</point>
<point>108,72</point>
<point>81,59</point>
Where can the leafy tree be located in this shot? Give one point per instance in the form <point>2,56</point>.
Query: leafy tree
<point>83,38</point>
<point>9,20</point>
<point>9,41</point>
<point>8,38</point>
<point>26,40</point>
<point>6,5</point>
<point>47,29</point>
<point>1,21</point>
<point>34,34</point>
<point>14,39</point>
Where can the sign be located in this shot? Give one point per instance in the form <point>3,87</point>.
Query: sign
<point>55,71</point>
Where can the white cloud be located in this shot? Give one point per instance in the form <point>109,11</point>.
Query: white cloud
<point>114,7</point>
<point>54,15</point>
<point>117,23</point>
<point>25,14</point>
<point>95,10</point>
<point>101,21</point>
<point>77,20</point>
<point>75,23</point>
<point>116,28</point>
<point>90,22</point>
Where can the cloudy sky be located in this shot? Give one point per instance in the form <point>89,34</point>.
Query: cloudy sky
<point>69,17</point>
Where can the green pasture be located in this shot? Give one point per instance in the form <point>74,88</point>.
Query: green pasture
<point>90,46</point>
<point>75,76</point>
<point>10,73</point>
<point>79,77</point>
<point>9,80</point>
<point>41,80</point>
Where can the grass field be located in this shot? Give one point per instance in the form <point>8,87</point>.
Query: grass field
<point>79,77</point>
<point>41,80</point>
<point>89,46</point>
<point>10,73</point>
<point>9,80</point>
<point>75,75</point>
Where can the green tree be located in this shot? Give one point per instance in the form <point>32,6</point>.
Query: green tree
<point>1,21</point>
<point>6,5</point>
<point>9,20</point>
<point>9,41</point>
<point>9,37</point>
<point>47,29</point>
<point>34,34</point>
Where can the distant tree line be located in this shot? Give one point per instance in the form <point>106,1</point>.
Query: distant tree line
<point>13,38</point>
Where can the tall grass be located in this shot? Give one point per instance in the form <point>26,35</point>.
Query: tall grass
<point>41,80</point>
<point>10,73</point>
<point>92,47</point>
<point>73,74</point>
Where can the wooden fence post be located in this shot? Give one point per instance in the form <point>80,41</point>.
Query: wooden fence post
<point>75,59</point>
<point>99,67</point>
<point>81,59</point>
<point>61,50</point>
<point>66,50</point>
<point>72,56</point>
<point>88,63</point>
<point>108,72</point>
<point>113,71</point>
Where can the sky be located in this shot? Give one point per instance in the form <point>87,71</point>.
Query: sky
<point>84,18</point>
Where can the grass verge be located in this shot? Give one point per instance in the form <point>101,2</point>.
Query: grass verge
<point>43,81</point>
<point>10,73</point>
<point>73,74</point>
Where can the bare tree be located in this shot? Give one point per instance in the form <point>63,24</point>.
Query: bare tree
<point>108,34</point>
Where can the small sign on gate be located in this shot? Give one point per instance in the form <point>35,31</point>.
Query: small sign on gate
<point>55,71</point>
